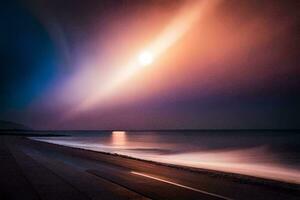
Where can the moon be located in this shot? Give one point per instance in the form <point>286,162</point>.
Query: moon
<point>145,58</point>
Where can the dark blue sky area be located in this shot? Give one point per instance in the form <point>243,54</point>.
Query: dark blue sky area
<point>28,58</point>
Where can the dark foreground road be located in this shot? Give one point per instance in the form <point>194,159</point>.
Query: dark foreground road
<point>36,170</point>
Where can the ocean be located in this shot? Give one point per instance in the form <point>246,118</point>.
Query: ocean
<point>267,154</point>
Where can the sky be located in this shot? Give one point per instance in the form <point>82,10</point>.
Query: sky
<point>212,64</point>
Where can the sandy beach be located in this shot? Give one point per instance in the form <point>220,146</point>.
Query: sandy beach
<point>37,170</point>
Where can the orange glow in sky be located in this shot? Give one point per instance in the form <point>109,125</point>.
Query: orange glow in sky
<point>178,27</point>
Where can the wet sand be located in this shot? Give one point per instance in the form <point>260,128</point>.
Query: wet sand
<point>37,170</point>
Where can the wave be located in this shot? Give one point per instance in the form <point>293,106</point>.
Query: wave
<point>255,161</point>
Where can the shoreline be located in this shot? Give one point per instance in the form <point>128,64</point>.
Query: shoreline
<point>241,178</point>
<point>39,170</point>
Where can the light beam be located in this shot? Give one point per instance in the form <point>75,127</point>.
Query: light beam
<point>180,25</point>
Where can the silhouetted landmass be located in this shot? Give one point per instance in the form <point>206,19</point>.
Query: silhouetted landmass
<point>7,125</point>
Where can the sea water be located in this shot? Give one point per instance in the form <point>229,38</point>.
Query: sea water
<point>266,154</point>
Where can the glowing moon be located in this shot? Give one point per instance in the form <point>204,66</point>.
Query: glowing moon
<point>145,58</point>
